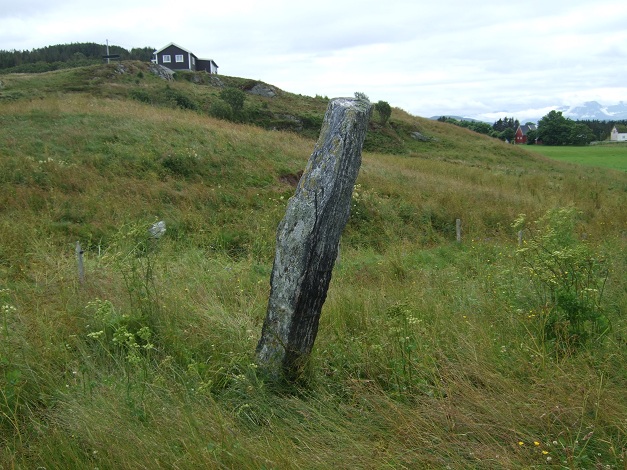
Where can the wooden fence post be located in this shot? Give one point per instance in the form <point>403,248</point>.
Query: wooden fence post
<point>79,260</point>
<point>458,230</point>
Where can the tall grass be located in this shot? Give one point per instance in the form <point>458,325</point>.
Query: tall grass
<point>428,356</point>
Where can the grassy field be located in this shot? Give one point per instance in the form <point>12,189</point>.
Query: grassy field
<point>485,354</point>
<point>612,156</point>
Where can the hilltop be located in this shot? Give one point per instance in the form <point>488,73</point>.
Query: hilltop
<point>431,353</point>
<point>265,105</point>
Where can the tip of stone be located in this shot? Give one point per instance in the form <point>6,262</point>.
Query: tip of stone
<point>357,102</point>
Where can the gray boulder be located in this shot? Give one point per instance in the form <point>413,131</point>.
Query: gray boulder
<point>262,89</point>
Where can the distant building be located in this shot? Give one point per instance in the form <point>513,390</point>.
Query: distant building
<point>522,131</point>
<point>618,136</point>
<point>176,58</point>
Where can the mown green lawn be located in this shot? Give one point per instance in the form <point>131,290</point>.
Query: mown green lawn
<point>606,155</point>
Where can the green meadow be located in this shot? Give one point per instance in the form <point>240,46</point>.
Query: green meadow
<point>504,351</point>
<point>604,155</point>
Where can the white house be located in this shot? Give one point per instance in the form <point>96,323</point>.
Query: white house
<point>618,136</point>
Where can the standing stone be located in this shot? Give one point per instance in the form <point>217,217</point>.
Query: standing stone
<point>308,238</point>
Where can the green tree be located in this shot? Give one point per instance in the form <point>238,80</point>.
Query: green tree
<point>531,137</point>
<point>554,129</point>
<point>384,110</point>
<point>580,134</point>
<point>480,127</point>
<point>505,123</point>
<point>508,134</point>
<point>65,55</point>
<point>78,57</point>
<point>476,126</point>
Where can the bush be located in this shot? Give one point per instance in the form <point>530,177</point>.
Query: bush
<point>384,110</point>
<point>179,99</point>
<point>568,280</point>
<point>221,110</point>
<point>234,97</point>
<point>312,121</point>
<point>141,95</point>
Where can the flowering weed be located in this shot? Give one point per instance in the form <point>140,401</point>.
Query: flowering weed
<point>568,280</point>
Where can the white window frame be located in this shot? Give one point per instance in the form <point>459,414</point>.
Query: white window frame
<point>179,58</point>
<point>167,58</point>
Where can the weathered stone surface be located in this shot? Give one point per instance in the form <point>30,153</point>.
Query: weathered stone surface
<point>308,238</point>
<point>161,72</point>
<point>421,137</point>
<point>121,69</point>
<point>215,81</point>
<point>261,89</point>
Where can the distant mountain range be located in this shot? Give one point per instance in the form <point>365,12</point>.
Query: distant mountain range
<point>457,118</point>
<point>590,110</point>
<point>594,110</point>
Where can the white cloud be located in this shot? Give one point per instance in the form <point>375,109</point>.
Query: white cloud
<point>436,58</point>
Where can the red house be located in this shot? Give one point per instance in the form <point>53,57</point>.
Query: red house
<point>522,131</point>
<point>176,58</point>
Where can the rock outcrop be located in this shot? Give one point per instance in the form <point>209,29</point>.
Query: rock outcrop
<point>261,89</point>
<point>162,72</point>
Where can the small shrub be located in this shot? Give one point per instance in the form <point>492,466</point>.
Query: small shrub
<point>568,280</point>
<point>311,121</point>
<point>234,97</point>
<point>221,110</point>
<point>384,111</point>
<point>133,252</point>
<point>179,99</point>
<point>118,334</point>
<point>141,95</point>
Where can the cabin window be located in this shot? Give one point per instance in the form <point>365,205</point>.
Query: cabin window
<point>179,57</point>
<point>167,58</point>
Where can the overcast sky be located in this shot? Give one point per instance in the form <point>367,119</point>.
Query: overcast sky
<point>480,59</point>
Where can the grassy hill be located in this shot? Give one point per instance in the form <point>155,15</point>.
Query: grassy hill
<point>431,353</point>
